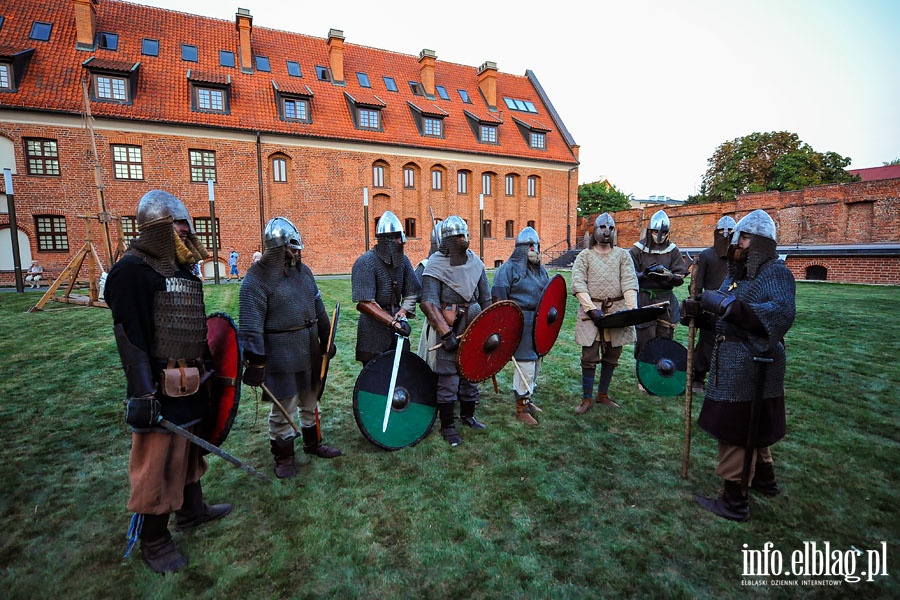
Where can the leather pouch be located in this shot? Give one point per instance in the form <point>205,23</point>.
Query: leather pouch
<point>180,380</point>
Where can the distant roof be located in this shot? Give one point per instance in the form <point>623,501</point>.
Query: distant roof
<point>874,173</point>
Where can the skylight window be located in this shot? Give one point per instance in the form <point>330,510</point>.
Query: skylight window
<point>390,84</point>
<point>109,41</point>
<point>416,88</point>
<point>226,58</point>
<point>322,73</point>
<point>262,64</point>
<point>41,31</point>
<point>150,47</point>
<point>293,68</point>
<point>520,105</point>
<point>363,80</point>
<point>442,92</point>
<point>2,20</point>
<point>464,95</point>
<point>189,53</point>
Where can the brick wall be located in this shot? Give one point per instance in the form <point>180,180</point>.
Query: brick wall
<point>852,213</point>
<point>323,195</point>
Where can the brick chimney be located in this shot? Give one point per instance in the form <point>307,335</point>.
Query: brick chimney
<point>336,55</point>
<point>427,58</point>
<point>85,23</point>
<point>487,83</point>
<point>243,22</point>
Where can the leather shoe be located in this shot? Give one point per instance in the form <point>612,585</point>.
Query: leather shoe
<point>585,406</point>
<point>473,422</point>
<point>604,399</point>
<point>210,513</point>
<point>162,556</point>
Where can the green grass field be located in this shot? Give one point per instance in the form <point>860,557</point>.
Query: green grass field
<point>588,506</point>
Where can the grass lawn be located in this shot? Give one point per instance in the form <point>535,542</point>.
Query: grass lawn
<point>589,506</point>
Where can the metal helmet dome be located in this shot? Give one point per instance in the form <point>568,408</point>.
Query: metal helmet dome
<point>529,236</point>
<point>454,225</point>
<point>159,204</point>
<point>758,223</point>
<point>388,224</point>
<point>281,232</point>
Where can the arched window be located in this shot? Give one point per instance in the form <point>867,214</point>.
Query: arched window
<point>816,273</point>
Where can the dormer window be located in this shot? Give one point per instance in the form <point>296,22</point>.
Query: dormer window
<point>429,119</point>
<point>13,64</point>
<point>112,81</point>
<point>488,134</point>
<point>535,132</point>
<point>485,127</point>
<point>365,110</point>
<point>293,103</point>
<point>209,92</point>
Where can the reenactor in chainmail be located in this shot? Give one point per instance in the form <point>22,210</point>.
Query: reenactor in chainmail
<point>744,404</point>
<point>454,291</point>
<point>708,273</point>
<point>523,279</point>
<point>660,268</point>
<point>603,281</point>
<point>159,322</point>
<point>284,330</point>
<point>385,289</point>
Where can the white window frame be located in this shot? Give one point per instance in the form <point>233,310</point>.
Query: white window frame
<point>378,176</point>
<point>437,179</point>
<point>279,170</point>
<point>510,185</point>
<point>369,118</point>
<point>532,186</point>
<point>538,140</point>
<point>127,161</point>
<point>432,126</point>
<point>486,184</point>
<point>6,76</point>
<point>212,99</point>
<point>462,182</point>
<point>489,134</point>
<point>108,87</point>
<point>409,178</point>
<point>298,106</point>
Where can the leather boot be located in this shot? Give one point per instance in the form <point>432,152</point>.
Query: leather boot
<point>732,504</point>
<point>448,430</point>
<point>764,480</point>
<point>194,511</point>
<point>467,415</point>
<point>603,398</point>
<point>283,451</point>
<point>585,406</point>
<point>157,548</point>
<point>311,444</point>
<point>522,412</point>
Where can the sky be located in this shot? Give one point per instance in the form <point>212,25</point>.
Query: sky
<point>650,88</point>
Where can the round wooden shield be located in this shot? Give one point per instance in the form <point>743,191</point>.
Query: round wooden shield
<point>490,341</point>
<point>550,314</point>
<point>228,364</point>
<point>662,367</point>
<point>413,406</point>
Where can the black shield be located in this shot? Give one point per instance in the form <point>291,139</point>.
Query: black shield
<point>413,407</point>
<point>635,316</point>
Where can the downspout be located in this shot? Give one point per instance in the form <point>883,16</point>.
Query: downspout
<point>569,210</point>
<point>262,222</point>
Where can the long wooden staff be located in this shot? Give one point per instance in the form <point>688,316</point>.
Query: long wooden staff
<point>688,391</point>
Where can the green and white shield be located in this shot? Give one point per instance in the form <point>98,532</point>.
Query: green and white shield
<point>413,406</point>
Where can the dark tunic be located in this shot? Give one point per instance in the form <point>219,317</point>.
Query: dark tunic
<point>735,379</point>
<point>523,283</point>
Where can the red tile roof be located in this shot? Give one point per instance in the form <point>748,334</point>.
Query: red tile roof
<point>52,81</point>
<point>875,173</point>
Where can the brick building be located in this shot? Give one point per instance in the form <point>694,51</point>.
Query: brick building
<point>283,123</point>
<point>842,232</point>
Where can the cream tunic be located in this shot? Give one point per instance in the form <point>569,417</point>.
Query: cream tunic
<point>597,276</point>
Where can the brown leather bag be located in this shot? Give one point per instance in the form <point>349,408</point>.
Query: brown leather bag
<point>179,380</point>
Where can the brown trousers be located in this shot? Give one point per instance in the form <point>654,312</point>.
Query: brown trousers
<point>731,461</point>
<point>161,465</point>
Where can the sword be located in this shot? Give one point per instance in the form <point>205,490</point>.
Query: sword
<point>524,379</point>
<point>323,374</point>
<point>688,399</point>
<point>199,441</point>
<point>398,352</point>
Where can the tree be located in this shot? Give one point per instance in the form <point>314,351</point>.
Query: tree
<point>892,163</point>
<point>776,160</point>
<point>599,197</point>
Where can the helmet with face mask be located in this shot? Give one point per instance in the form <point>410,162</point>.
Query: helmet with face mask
<point>725,226</point>
<point>722,236</point>
<point>281,232</point>
<point>454,225</point>
<point>159,204</point>
<point>388,225</point>
<point>604,230</point>
<point>658,229</point>
<point>529,240</point>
